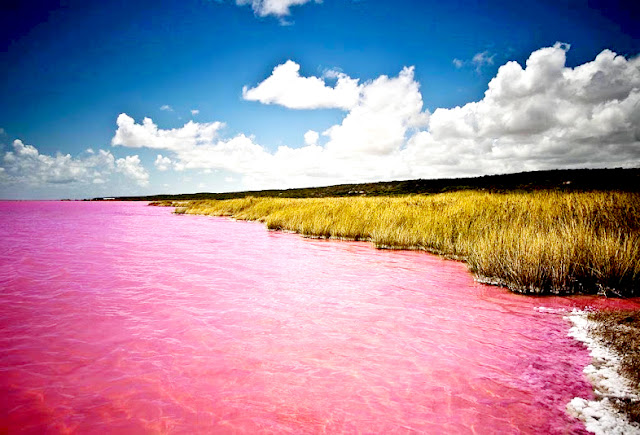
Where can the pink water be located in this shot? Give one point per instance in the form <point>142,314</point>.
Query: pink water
<point>123,318</point>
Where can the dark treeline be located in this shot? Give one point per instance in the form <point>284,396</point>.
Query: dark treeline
<point>627,180</point>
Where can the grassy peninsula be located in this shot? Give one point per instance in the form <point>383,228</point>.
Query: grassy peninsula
<point>540,242</point>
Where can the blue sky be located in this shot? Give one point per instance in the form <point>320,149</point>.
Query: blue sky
<point>78,80</point>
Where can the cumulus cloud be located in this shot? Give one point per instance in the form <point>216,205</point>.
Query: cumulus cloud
<point>541,116</point>
<point>311,137</point>
<point>378,123</point>
<point>148,135</point>
<point>278,8</point>
<point>25,165</point>
<point>131,167</point>
<point>166,108</point>
<point>195,145</point>
<point>194,112</point>
<point>162,163</point>
<point>366,145</point>
<point>548,115</point>
<point>286,87</point>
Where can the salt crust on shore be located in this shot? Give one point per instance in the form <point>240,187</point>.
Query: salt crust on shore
<point>599,415</point>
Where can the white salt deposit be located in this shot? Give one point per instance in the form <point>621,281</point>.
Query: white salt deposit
<point>599,415</point>
<point>550,310</point>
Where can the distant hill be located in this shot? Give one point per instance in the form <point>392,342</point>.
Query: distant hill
<point>627,180</point>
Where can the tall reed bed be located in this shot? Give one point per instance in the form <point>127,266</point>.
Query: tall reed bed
<point>540,242</point>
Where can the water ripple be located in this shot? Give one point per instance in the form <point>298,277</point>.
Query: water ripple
<point>118,317</point>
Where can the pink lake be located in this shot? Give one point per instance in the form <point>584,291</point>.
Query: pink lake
<point>123,318</point>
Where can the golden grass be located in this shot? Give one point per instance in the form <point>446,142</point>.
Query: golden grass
<point>540,242</point>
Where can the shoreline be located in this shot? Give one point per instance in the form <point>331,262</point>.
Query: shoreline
<point>533,243</point>
<point>617,405</point>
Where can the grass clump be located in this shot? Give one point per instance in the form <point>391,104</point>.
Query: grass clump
<point>163,203</point>
<point>532,242</point>
<point>620,331</point>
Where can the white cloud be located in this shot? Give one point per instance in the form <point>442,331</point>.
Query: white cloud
<point>311,137</point>
<point>194,112</point>
<point>25,165</point>
<point>363,146</point>
<point>162,163</point>
<point>166,108</point>
<point>278,8</point>
<point>148,135</point>
<point>130,166</point>
<point>332,73</point>
<point>540,117</point>
<point>387,109</point>
<point>482,59</point>
<point>478,61</point>
<point>195,145</point>
<point>543,116</point>
<point>286,87</point>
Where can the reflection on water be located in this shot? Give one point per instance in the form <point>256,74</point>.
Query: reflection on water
<point>118,317</point>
